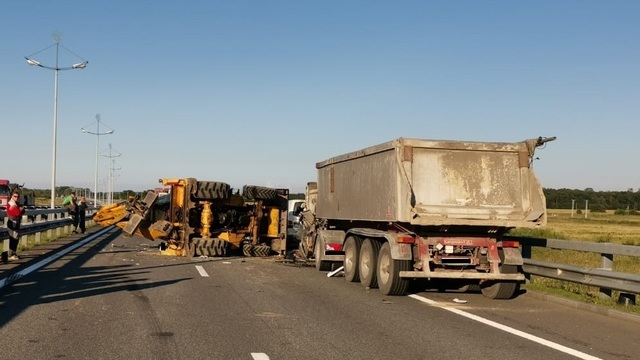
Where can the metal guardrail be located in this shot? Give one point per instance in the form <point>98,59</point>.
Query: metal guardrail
<point>604,277</point>
<point>36,221</point>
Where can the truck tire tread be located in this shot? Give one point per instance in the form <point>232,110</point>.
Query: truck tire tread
<point>212,190</point>
<point>253,192</point>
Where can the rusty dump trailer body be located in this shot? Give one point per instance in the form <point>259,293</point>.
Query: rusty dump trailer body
<point>413,208</point>
<point>427,182</point>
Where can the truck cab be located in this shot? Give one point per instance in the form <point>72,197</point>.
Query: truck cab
<point>293,218</point>
<point>5,193</point>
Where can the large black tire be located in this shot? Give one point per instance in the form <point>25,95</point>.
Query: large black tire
<point>470,288</point>
<point>218,247</point>
<point>247,249</point>
<point>200,247</point>
<point>190,249</point>
<point>351,255</point>
<point>388,272</point>
<point>368,263</point>
<point>261,250</point>
<point>252,192</point>
<point>212,190</point>
<point>320,264</point>
<point>501,290</point>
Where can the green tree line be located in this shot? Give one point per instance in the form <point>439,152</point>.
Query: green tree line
<point>595,200</point>
<point>62,191</point>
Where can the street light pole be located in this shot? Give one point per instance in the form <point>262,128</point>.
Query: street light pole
<point>97,134</point>
<point>111,167</point>
<point>56,69</point>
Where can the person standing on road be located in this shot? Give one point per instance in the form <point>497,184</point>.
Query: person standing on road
<point>71,203</point>
<point>82,212</point>
<point>14,213</point>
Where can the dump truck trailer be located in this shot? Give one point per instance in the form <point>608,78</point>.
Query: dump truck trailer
<point>414,209</point>
<point>205,218</point>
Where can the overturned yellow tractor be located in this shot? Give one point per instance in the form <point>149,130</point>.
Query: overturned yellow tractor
<point>205,218</point>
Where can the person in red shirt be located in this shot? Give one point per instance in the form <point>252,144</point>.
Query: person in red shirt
<point>14,213</point>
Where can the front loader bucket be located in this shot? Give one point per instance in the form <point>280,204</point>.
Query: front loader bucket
<point>132,224</point>
<point>140,210</point>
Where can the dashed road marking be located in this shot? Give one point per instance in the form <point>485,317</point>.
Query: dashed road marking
<point>259,356</point>
<point>201,270</point>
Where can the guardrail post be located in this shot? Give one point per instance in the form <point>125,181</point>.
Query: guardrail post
<point>606,263</point>
<point>627,299</point>
<point>24,238</point>
<point>24,241</point>
<point>5,250</point>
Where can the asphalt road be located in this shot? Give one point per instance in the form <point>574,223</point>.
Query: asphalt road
<point>117,298</point>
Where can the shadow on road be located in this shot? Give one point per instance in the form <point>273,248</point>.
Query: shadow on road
<point>73,281</point>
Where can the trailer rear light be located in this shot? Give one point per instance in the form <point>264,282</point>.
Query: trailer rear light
<point>511,244</point>
<point>333,247</point>
<point>405,240</point>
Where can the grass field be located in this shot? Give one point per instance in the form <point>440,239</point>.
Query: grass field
<point>596,227</point>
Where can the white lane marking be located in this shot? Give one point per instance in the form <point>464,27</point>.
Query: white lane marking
<point>508,329</point>
<point>259,356</point>
<point>28,270</point>
<point>201,270</point>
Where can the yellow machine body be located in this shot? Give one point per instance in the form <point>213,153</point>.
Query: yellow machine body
<point>207,218</point>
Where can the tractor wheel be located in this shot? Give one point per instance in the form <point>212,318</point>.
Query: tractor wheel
<point>259,192</point>
<point>199,247</point>
<point>212,190</point>
<point>190,249</point>
<point>247,249</point>
<point>261,250</point>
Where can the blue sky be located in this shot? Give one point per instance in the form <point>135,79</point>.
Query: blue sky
<point>257,92</point>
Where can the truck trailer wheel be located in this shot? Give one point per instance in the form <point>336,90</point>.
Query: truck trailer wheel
<point>212,190</point>
<point>368,263</point>
<point>471,288</point>
<point>388,272</point>
<point>259,192</point>
<point>320,264</point>
<point>351,254</point>
<point>501,289</point>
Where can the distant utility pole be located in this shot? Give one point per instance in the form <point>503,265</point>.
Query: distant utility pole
<point>111,168</point>
<point>573,206</point>
<point>586,208</point>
